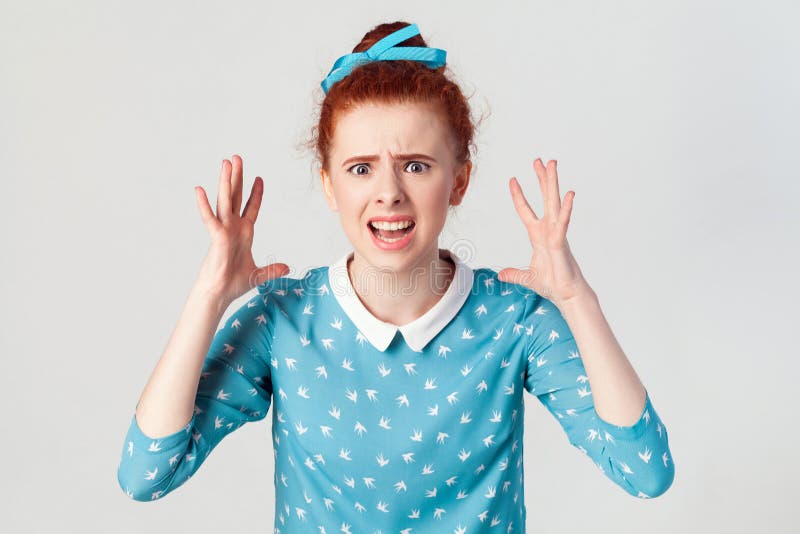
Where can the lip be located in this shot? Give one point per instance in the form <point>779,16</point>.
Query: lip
<point>397,245</point>
<point>392,218</point>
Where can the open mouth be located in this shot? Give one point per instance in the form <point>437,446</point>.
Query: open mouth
<point>391,233</point>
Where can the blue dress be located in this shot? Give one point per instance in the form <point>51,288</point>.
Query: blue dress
<point>375,431</point>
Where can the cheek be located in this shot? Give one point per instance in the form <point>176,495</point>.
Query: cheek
<point>437,197</point>
<point>351,205</point>
<point>434,205</point>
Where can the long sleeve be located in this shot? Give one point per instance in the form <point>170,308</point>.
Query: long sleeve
<point>636,457</point>
<point>234,388</point>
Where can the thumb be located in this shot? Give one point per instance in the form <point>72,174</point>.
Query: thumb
<point>268,272</point>
<point>514,276</point>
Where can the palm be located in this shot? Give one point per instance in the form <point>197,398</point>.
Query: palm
<point>229,268</point>
<point>232,255</point>
<point>553,271</point>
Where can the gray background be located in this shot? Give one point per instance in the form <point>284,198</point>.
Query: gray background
<point>674,122</point>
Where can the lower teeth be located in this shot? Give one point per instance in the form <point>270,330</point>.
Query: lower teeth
<point>391,239</point>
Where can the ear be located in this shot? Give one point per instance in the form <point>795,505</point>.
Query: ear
<point>327,188</point>
<point>460,184</point>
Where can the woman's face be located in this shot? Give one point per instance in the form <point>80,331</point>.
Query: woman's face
<point>397,162</point>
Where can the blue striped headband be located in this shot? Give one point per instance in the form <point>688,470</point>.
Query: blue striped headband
<point>385,50</point>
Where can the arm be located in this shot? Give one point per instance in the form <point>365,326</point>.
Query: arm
<point>630,440</point>
<point>636,456</point>
<point>190,404</point>
<point>167,401</point>
<point>619,395</point>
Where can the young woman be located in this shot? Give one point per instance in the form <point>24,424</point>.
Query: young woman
<point>396,373</point>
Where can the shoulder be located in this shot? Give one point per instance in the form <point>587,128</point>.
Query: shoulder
<point>488,286</point>
<point>312,281</point>
<point>296,296</point>
<point>528,306</point>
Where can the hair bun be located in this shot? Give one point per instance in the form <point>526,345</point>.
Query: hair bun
<point>393,81</point>
<point>382,30</point>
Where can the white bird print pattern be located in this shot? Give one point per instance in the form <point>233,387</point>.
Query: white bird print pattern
<point>416,439</point>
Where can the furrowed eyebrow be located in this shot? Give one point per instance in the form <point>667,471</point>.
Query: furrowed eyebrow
<point>355,159</point>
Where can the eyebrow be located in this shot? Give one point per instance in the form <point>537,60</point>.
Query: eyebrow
<point>397,156</point>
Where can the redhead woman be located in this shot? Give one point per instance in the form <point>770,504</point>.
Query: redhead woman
<point>396,372</point>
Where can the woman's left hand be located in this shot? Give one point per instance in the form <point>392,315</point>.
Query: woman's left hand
<point>553,272</point>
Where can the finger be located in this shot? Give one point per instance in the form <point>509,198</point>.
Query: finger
<point>254,202</point>
<point>205,208</point>
<point>274,270</point>
<point>524,209</point>
<point>552,184</point>
<point>544,186</point>
<point>515,276</point>
<point>224,195</point>
<point>236,184</point>
<point>566,212</point>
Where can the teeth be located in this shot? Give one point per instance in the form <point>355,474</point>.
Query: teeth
<point>383,225</point>
<point>389,239</point>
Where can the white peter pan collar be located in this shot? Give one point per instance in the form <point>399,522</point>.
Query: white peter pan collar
<point>417,333</point>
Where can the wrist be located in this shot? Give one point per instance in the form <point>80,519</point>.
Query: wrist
<point>583,297</point>
<point>202,295</point>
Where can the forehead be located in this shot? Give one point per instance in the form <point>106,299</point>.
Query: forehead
<point>403,128</point>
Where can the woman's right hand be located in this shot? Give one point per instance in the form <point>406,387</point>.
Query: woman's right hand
<point>229,270</point>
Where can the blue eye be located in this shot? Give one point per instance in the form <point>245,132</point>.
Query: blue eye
<point>426,166</point>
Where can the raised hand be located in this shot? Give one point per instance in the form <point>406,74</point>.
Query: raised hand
<point>553,271</point>
<point>229,270</point>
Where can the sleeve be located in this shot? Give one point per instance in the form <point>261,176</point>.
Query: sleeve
<point>636,457</point>
<point>235,388</point>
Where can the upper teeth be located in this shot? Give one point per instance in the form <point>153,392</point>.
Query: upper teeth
<point>383,225</point>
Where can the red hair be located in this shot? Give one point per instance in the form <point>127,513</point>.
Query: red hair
<point>391,82</point>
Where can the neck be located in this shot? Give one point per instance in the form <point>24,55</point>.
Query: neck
<point>399,296</point>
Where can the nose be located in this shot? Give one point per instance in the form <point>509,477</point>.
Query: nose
<point>389,188</point>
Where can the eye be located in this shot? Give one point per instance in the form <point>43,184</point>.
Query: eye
<point>357,166</point>
<point>418,165</point>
